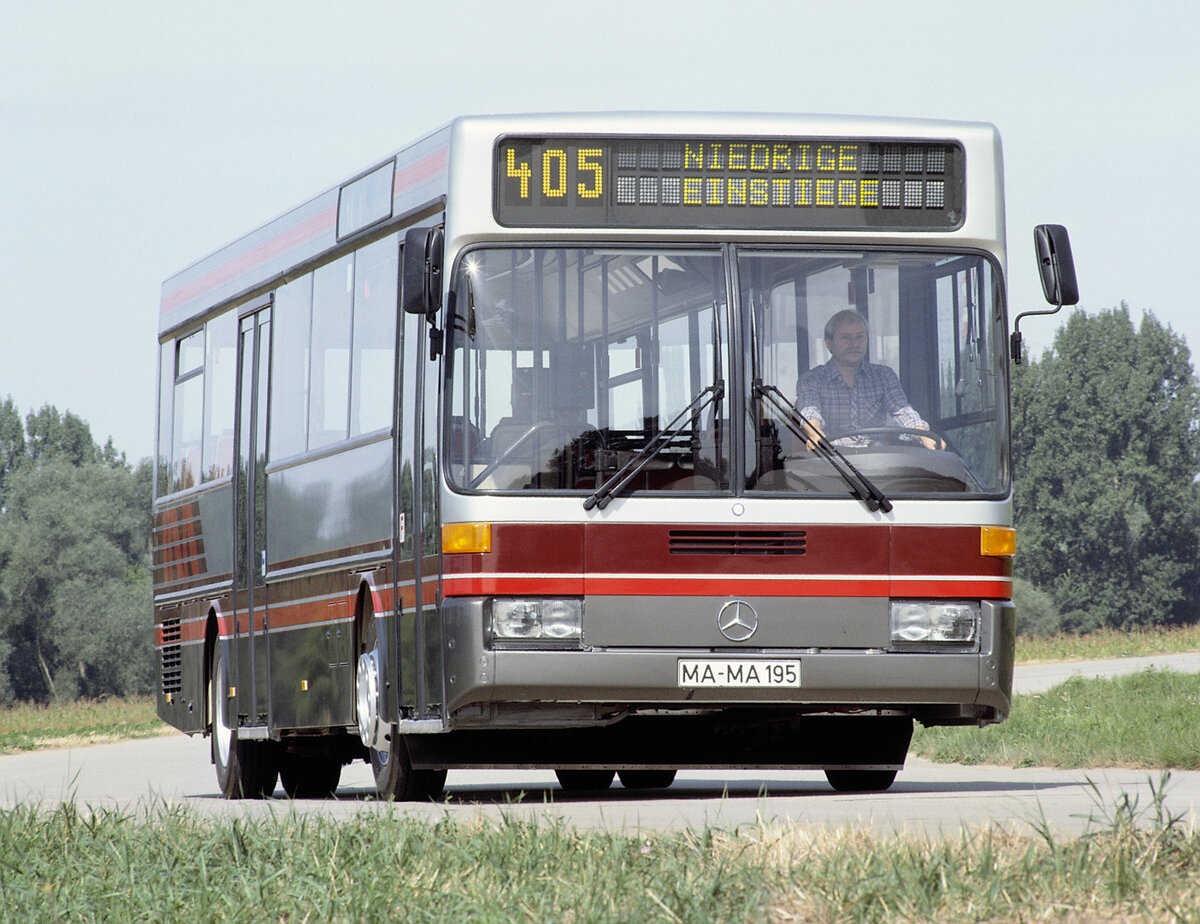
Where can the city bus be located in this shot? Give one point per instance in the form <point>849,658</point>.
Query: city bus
<point>537,445</point>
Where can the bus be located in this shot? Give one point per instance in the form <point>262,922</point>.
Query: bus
<point>612,444</point>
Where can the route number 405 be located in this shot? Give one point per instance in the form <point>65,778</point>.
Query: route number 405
<point>554,169</point>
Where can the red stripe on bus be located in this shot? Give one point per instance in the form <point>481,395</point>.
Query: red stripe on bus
<point>632,585</point>
<point>421,170</point>
<point>298,234</point>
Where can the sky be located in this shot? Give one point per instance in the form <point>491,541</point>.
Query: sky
<point>137,136</point>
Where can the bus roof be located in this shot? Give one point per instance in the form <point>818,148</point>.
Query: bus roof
<point>412,184</point>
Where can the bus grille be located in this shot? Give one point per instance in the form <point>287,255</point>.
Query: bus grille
<point>172,657</point>
<point>736,542</point>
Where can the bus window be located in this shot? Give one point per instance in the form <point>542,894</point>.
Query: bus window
<point>329,385</point>
<point>289,364</point>
<point>927,363</point>
<point>372,362</point>
<point>566,362</point>
<point>188,430</point>
<point>220,376</point>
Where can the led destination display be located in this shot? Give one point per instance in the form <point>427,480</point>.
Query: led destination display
<point>803,184</point>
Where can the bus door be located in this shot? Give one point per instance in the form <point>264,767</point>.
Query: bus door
<point>420,661</point>
<point>250,624</point>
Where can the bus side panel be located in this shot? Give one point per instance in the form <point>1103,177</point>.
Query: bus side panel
<point>334,508</point>
<point>191,550</point>
<point>325,508</point>
<point>312,630</point>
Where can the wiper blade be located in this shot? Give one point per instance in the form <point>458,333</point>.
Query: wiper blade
<point>860,485</point>
<point>616,482</point>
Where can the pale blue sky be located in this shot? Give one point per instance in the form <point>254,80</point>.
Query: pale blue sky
<point>139,135</point>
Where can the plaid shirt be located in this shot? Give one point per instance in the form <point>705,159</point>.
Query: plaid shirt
<point>823,395</point>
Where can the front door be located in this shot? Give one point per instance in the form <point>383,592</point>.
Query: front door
<point>252,664</point>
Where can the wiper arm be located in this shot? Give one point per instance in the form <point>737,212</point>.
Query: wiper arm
<point>860,485</point>
<point>616,482</point>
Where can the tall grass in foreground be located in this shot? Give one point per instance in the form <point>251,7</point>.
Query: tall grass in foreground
<point>1150,719</point>
<point>172,864</point>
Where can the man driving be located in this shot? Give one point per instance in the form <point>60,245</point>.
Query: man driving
<point>848,393</point>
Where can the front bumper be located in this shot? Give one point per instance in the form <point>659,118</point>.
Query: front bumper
<point>498,688</point>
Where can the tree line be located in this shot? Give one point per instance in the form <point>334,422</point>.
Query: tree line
<point>1106,454</point>
<point>75,598</point>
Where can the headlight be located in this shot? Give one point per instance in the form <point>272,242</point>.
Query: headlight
<point>932,626</point>
<point>541,620</point>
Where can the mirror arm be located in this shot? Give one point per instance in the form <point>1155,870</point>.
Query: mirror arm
<point>1014,342</point>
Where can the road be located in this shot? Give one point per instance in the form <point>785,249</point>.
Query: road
<point>927,798</point>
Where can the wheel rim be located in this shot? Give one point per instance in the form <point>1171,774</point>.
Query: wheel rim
<point>222,733</point>
<point>367,697</point>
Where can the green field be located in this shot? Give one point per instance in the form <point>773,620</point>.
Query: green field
<point>1107,643</point>
<point>26,727</point>
<point>1149,719</point>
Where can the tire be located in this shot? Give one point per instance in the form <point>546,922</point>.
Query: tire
<point>395,777</point>
<point>245,769</point>
<point>860,780</point>
<point>583,780</point>
<point>646,779</point>
<point>309,776</point>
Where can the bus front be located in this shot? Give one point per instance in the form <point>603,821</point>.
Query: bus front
<point>724,442</point>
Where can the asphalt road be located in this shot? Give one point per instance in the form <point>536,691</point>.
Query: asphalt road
<point>927,798</point>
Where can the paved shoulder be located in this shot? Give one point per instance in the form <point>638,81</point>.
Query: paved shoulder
<point>1037,678</point>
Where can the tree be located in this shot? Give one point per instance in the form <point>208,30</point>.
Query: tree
<point>12,442</point>
<point>1106,448</point>
<point>74,566</point>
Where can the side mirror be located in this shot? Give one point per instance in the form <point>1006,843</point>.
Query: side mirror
<point>1057,268</point>
<point>421,277</point>
<point>1056,264</point>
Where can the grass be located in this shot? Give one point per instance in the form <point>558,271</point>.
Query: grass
<point>25,726</point>
<point>171,863</point>
<point>1150,719</point>
<point>1108,643</point>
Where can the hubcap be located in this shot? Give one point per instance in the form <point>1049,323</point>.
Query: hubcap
<point>222,734</point>
<point>367,690</point>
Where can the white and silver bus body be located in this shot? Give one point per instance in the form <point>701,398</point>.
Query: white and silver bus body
<point>656,574</point>
<point>397,578</point>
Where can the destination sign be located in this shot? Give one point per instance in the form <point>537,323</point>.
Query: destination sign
<point>772,183</point>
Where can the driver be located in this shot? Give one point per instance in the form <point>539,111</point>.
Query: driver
<point>848,393</point>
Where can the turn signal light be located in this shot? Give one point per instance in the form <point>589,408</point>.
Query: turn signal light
<point>458,538</point>
<point>998,541</point>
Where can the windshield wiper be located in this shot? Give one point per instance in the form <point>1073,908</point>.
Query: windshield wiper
<point>615,483</point>
<point>860,485</point>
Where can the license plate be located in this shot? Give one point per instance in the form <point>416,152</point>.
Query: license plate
<point>742,672</point>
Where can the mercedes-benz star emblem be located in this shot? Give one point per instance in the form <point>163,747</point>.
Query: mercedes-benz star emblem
<point>737,620</point>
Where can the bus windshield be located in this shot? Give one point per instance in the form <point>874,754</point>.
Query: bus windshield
<point>574,368</point>
<point>896,356</point>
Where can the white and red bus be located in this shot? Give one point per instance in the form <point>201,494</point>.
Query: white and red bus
<point>613,444</point>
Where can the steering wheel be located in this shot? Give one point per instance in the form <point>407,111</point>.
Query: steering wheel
<point>587,432</point>
<point>893,434</point>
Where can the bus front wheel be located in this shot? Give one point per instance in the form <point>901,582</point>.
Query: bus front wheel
<point>395,777</point>
<point>245,769</point>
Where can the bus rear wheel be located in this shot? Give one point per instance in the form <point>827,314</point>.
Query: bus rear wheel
<point>646,779</point>
<point>582,780</point>
<point>245,769</point>
<point>309,776</point>
<point>860,780</point>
